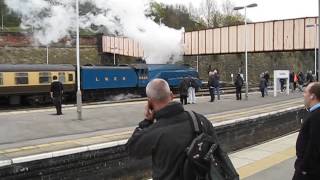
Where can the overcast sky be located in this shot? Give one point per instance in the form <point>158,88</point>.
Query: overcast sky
<point>269,9</point>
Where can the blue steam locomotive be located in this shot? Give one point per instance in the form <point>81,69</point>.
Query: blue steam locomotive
<point>31,83</point>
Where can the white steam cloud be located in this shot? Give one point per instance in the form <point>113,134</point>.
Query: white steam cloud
<point>53,20</point>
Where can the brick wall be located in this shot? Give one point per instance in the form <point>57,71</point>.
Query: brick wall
<point>257,63</point>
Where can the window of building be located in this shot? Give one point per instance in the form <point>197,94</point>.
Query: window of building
<point>44,77</point>
<point>70,77</point>
<point>1,79</point>
<point>22,78</point>
<point>62,77</point>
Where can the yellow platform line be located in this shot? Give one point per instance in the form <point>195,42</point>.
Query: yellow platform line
<point>296,100</point>
<point>256,110</point>
<point>265,163</point>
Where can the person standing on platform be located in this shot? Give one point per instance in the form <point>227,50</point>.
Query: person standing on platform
<point>216,84</point>
<point>165,133</point>
<point>301,81</point>
<point>307,165</point>
<point>267,77</point>
<point>183,88</point>
<point>238,84</point>
<point>191,90</point>
<point>309,78</point>
<point>291,80</point>
<point>263,84</point>
<point>296,79</point>
<point>56,94</point>
<point>210,86</point>
<point>282,82</point>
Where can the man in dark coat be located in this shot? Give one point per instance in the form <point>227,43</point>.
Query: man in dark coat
<point>267,78</point>
<point>56,93</point>
<point>210,86</point>
<point>214,85</point>
<point>183,88</point>
<point>238,84</point>
<point>282,82</point>
<point>307,165</point>
<point>164,134</point>
<point>301,81</point>
<point>263,84</point>
<point>309,78</point>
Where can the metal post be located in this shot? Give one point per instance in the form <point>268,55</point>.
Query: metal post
<point>47,55</point>
<point>79,95</point>
<point>246,51</point>
<point>2,9</point>
<point>197,63</point>
<point>2,27</point>
<point>315,49</point>
<point>114,56</point>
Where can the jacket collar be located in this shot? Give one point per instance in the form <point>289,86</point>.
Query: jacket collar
<point>172,108</point>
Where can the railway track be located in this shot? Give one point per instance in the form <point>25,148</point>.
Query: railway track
<point>201,92</point>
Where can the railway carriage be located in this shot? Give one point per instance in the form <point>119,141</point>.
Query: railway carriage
<point>31,82</point>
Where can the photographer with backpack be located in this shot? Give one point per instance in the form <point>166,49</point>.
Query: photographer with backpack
<point>168,134</point>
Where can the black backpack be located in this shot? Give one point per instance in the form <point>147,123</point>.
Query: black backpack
<point>205,160</point>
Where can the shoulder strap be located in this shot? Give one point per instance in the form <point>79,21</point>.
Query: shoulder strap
<point>194,121</point>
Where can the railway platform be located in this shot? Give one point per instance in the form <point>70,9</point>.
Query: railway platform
<point>30,135</point>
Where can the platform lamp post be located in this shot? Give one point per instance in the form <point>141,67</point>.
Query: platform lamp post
<point>2,14</point>
<point>47,54</point>
<point>245,39</point>
<point>315,45</point>
<point>114,55</point>
<point>2,27</point>
<point>79,95</point>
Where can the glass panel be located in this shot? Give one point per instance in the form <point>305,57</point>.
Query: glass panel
<point>21,78</point>
<point>62,77</point>
<point>1,79</point>
<point>44,77</point>
<point>70,77</point>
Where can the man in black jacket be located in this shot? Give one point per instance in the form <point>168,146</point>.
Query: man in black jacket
<point>214,85</point>
<point>56,93</point>
<point>183,89</point>
<point>164,134</point>
<point>238,83</point>
<point>307,165</point>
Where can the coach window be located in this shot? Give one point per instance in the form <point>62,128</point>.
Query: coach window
<point>1,79</point>
<point>44,77</point>
<point>115,78</point>
<point>62,77</point>
<point>70,77</point>
<point>106,78</point>
<point>123,78</point>
<point>22,78</point>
